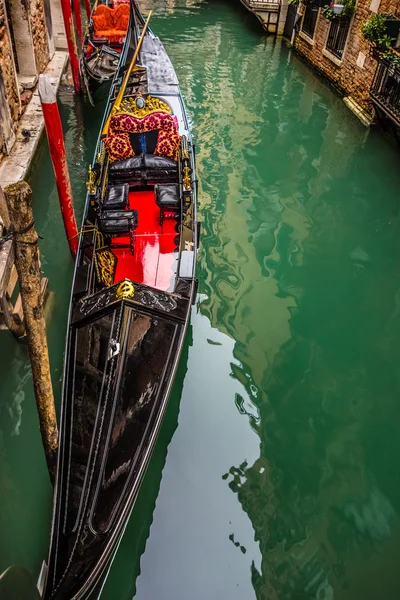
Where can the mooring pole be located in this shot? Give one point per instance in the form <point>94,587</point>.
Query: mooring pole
<point>71,41</point>
<point>19,200</point>
<point>88,8</point>
<point>78,18</point>
<point>58,155</point>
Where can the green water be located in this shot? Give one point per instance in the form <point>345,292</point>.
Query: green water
<point>276,472</point>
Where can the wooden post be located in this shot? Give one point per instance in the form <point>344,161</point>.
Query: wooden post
<point>88,8</point>
<point>5,217</point>
<point>12,321</point>
<point>78,18</point>
<point>71,41</point>
<point>19,199</point>
<point>58,154</point>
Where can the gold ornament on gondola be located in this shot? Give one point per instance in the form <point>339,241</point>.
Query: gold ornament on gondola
<point>125,289</point>
<point>187,178</point>
<point>105,263</point>
<point>142,109</point>
<point>91,182</point>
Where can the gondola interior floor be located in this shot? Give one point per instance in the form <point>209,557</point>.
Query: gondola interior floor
<point>153,262</point>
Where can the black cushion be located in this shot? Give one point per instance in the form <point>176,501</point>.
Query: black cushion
<point>167,195</point>
<point>145,167</point>
<point>118,221</point>
<point>121,214</point>
<point>115,226</point>
<point>153,162</point>
<point>128,164</point>
<point>116,197</point>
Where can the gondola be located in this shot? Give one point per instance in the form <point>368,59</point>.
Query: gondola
<point>133,287</point>
<point>103,44</point>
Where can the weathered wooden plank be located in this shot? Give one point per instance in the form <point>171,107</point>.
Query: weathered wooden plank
<point>12,281</point>
<point>6,263</point>
<point>5,217</point>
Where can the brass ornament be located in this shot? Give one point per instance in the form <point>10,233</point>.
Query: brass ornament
<point>151,105</point>
<point>187,178</point>
<point>91,182</point>
<point>125,289</point>
<point>185,152</point>
<point>101,154</point>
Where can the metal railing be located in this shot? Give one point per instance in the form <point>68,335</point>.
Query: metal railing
<point>310,19</point>
<point>337,37</point>
<point>385,89</point>
<point>262,2</point>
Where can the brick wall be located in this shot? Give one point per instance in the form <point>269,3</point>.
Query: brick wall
<point>350,79</point>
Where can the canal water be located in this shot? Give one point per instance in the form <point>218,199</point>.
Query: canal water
<point>275,475</point>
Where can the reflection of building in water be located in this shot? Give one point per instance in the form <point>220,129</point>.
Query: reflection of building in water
<point>273,162</point>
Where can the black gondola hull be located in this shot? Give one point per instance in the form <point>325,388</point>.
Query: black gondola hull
<point>110,424</point>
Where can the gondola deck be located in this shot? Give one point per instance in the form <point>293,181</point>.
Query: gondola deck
<point>154,260</point>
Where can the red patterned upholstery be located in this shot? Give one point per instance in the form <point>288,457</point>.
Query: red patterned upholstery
<point>167,126</point>
<point>118,146</point>
<point>168,143</point>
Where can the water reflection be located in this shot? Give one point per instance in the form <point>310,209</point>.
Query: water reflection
<point>299,269</point>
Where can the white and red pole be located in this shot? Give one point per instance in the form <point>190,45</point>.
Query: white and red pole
<point>88,8</point>
<point>58,155</point>
<point>71,41</point>
<point>78,18</point>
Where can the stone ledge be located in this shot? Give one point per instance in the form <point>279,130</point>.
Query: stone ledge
<point>15,165</point>
<point>355,108</point>
<point>306,38</point>
<point>336,61</point>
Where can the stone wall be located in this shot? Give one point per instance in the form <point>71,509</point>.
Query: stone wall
<point>7,66</point>
<point>352,75</point>
<point>39,33</point>
<point>24,51</point>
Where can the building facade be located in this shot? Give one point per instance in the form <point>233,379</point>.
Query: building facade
<point>26,47</point>
<point>338,50</point>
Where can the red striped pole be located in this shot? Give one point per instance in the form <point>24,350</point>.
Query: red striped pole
<point>88,8</point>
<point>78,18</point>
<point>71,41</point>
<point>58,155</point>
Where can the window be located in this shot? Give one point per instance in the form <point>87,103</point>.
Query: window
<point>337,37</point>
<point>310,18</point>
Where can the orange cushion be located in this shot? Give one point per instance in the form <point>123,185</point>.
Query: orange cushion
<point>113,35</point>
<point>106,18</point>
<point>121,17</point>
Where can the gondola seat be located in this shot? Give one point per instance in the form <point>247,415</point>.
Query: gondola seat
<point>111,23</point>
<point>145,168</point>
<point>118,222</point>
<point>116,197</point>
<point>167,198</point>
